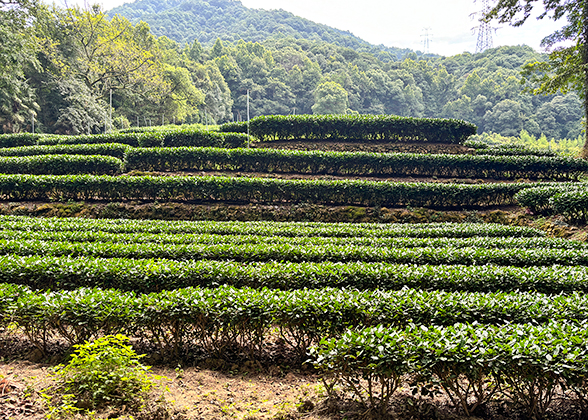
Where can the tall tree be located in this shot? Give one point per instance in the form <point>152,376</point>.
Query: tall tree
<point>330,98</point>
<point>567,67</point>
<point>18,49</point>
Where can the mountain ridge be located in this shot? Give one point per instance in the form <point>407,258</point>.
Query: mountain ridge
<point>206,20</point>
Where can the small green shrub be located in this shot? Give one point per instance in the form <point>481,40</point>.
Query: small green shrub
<point>105,372</point>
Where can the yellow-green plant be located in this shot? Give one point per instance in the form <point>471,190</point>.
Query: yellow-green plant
<point>105,372</point>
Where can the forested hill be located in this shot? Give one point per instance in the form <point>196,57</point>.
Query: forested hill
<point>206,20</point>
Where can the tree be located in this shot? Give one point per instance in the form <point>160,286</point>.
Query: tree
<point>18,50</point>
<point>567,66</point>
<point>330,98</point>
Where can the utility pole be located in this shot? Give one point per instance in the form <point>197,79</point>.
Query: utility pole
<point>484,30</point>
<point>110,112</point>
<point>426,40</point>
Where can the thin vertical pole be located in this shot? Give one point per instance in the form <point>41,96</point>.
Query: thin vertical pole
<point>248,139</point>
<point>110,111</point>
<point>33,118</point>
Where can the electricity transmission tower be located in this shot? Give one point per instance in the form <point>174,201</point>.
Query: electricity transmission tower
<point>484,30</point>
<point>426,39</point>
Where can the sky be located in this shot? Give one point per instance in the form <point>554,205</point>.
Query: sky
<point>404,24</point>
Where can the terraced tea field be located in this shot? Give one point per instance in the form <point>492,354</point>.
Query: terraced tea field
<point>518,303</point>
<point>465,318</point>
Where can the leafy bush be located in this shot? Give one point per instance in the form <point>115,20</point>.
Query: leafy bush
<point>19,139</point>
<point>517,257</point>
<point>185,136</point>
<point>264,190</point>
<point>146,275</point>
<point>304,241</point>
<point>476,144</point>
<point>182,318</point>
<point>107,149</point>
<point>268,228</point>
<point>471,362</point>
<point>573,205</point>
<point>354,163</point>
<point>388,128</point>
<point>515,150</point>
<point>61,165</point>
<point>538,199</point>
<point>105,372</point>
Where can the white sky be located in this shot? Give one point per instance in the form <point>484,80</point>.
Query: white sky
<point>402,23</point>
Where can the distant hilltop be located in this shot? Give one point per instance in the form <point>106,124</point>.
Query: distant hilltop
<point>206,20</point>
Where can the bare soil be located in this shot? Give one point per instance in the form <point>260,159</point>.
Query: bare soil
<point>194,393</point>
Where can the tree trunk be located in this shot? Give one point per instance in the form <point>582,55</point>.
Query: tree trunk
<point>584,46</point>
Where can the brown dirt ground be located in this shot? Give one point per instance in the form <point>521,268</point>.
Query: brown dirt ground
<point>194,393</point>
<point>191,393</point>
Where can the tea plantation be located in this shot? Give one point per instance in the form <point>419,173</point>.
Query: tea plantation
<point>487,314</point>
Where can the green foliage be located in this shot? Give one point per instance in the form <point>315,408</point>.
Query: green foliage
<point>493,165</point>
<point>359,128</point>
<point>61,165</point>
<point>146,275</point>
<point>175,136</point>
<point>529,143</point>
<point>567,66</point>
<point>281,75</point>
<point>269,229</point>
<point>573,205</point>
<point>18,56</point>
<point>330,98</point>
<point>267,190</point>
<point>519,257</point>
<point>303,316</point>
<point>537,199</point>
<point>105,372</point>
<point>406,240</point>
<point>471,362</point>
<point>231,21</point>
<point>19,139</point>
<point>515,150</point>
<point>106,149</point>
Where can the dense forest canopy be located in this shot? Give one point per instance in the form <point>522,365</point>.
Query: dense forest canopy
<point>206,20</point>
<point>62,65</point>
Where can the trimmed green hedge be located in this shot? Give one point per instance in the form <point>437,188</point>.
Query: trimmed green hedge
<point>131,139</point>
<point>170,138</point>
<point>348,192</point>
<point>573,205</point>
<point>267,228</point>
<point>354,163</point>
<point>303,317</point>
<point>515,150</point>
<point>61,165</point>
<point>107,149</point>
<point>472,363</point>
<point>56,273</point>
<point>519,257</point>
<point>388,128</point>
<point>506,243</point>
<point>20,139</point>
<point>537,198</point>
